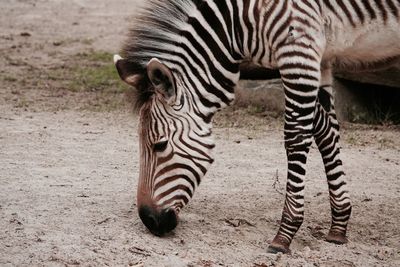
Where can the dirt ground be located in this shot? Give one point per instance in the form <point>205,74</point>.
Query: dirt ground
<point>68,174</point>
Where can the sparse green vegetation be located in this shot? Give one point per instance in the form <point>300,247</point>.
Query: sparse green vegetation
<point>96,57</point>
<point>375,115</point>
<point>362,135</point>
<point>90,78</point>
<point>385,143</point>
<point>384,113</point>
<point>96,78</point>
<point>87,41</point>
<point>89,72</point>
<point>22,103</point>
<point>9,79</point>
<point>92,73</point>
<point>255,109</point>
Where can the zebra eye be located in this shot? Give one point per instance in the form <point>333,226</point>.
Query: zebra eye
<point>160,146</point>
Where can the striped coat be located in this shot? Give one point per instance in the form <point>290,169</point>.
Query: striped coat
<point>183,58</point>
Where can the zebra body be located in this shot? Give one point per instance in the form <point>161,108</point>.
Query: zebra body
<point>364,46</point>
<point>183,58</point>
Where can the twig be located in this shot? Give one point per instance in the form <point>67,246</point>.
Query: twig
<point>89,132</point>
<point>277,184</point>
<point>238,222</point>
<point>104,221</point>
<point>7,119</point>
<point>140,251</point>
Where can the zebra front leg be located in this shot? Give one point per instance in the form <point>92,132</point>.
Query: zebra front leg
<point>293,211</point>
<point>301,81</point>
<point>326,134</point>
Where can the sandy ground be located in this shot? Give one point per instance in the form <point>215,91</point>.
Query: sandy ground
<point>68,176</point>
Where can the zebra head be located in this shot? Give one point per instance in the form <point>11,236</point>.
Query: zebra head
<point>175,142</point>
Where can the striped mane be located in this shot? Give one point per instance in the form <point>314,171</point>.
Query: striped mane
<point>155,25</point>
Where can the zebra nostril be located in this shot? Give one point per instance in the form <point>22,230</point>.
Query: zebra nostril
<point>148,218</point>
<point>168,220</point>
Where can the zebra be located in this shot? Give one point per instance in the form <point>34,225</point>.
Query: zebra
<point>183,57</point>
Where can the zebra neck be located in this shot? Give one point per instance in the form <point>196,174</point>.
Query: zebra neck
<point>264,24</point>
<point>222,34</point>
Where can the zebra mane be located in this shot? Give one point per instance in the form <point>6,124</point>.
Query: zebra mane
<point>156,24</point>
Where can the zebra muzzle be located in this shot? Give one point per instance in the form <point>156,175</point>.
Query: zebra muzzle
<point>158,222</point>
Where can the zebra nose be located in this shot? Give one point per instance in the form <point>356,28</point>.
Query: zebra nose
<point>159,223</point>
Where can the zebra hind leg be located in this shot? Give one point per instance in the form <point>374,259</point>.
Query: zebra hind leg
<point>326,135</point>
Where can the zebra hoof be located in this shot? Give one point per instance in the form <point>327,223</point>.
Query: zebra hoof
<point>279,244</point>
<point>336,237</point>
<point>277,249</point>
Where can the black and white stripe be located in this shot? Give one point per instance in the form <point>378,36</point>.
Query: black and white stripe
<point>202,43</point>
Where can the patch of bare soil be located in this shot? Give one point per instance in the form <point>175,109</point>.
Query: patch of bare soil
<point>68,174</point>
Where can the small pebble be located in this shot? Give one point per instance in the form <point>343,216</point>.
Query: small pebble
<point>25,34</point>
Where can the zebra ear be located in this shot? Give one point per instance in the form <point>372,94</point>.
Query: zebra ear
<point>128,71</point>
<point>161,77</point>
